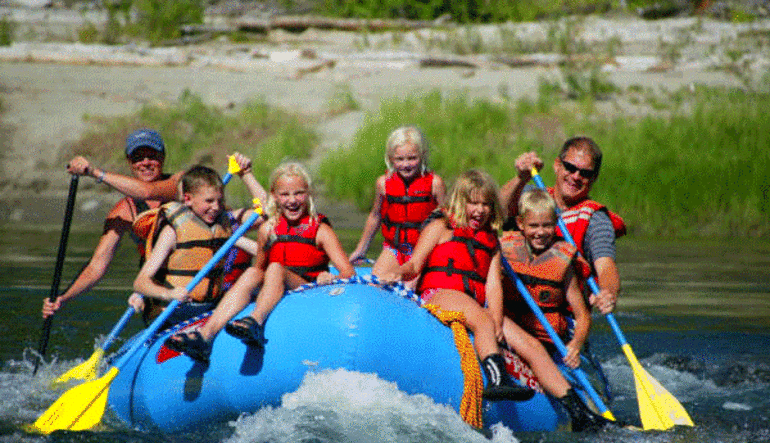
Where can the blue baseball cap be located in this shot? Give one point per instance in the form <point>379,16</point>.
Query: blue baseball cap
<point>144,137</point>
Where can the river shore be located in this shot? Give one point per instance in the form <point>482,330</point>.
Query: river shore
<point>50,89</point>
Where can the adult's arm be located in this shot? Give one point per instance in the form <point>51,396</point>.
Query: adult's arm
<point>601,251</point>
<point>115,225</point>
<point>513,188</point>
<point>163,190</point>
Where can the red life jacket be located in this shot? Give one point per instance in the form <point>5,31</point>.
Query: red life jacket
<point>406,207</point>
<point>462,263</point>
<point>577,218</point>
<point>544,277</point>
<point>295,247</point>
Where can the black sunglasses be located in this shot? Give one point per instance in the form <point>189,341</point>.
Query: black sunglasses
<point>140,155</point>
<point>585,173</point>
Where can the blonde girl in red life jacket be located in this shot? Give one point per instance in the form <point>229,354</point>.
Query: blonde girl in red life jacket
<point>403,199</point>
<point>457,258</point>
<point>297,245</point>
<point>189,234</point>
<point>549,268</point>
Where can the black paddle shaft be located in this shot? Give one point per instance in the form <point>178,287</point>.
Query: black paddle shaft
<point>65,231</point>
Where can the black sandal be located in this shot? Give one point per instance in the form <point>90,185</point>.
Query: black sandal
<point>247,330</point>
<point>191,344</point>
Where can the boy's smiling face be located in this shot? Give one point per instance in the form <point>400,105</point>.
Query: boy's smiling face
<point>538,228</point>
<point>207,202</point>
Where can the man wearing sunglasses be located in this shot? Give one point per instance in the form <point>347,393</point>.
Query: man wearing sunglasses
<point>145,153</point>
<point>591,225</point>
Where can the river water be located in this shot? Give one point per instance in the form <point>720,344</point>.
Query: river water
<point>696,314</point>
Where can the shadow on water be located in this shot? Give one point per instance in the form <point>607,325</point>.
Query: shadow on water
<point>695,313</point>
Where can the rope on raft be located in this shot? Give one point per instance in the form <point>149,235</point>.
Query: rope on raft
<point>473,386</point>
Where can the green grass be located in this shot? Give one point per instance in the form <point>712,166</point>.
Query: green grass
<point>694,168</point>
<point>698,170</point>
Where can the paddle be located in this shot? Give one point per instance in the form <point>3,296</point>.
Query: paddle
<point>577,372</point>
<point>87,369</point>
<point>82,407</point>
<point>65,232</point>
<point>657,407</point>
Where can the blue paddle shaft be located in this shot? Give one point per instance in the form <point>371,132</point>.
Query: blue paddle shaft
<point>156,324</point>
<point>577,372</point>
<point>118,328</point>
<point>591,281</point>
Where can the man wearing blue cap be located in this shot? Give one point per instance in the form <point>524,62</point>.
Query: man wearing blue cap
<point>145,152</point>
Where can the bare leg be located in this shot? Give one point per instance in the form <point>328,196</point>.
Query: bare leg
<point>533,352</point>
<point>232,302</point>
<point>478,319</point>
<point>277,279</point>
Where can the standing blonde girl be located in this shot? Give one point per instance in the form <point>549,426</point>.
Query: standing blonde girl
<point>403,199</point>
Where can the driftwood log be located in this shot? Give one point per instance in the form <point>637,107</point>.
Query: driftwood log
<point>300,23</point>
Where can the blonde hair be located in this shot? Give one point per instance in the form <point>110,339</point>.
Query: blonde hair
<point>403,135</point>
<point>293,169</point>
<point>538,201</point>
<point>471,182</point>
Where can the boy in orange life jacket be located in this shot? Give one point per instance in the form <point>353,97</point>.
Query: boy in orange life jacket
<point>549,267</point>
<point>457,260</point>
<point>237,260</point>
<point>187,236</point>
<point>298,245</point>
<point>403,199</point>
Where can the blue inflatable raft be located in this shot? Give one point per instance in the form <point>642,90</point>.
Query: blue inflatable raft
<point>352,325</point>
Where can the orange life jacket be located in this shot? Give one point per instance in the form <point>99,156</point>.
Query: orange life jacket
<point>462,263</point>
<point>196,243</point>
<point>405,208</point>
<point>295,247</point>
<point>544,277</point>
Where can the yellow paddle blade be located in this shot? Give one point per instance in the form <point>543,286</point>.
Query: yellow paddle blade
<point>657,407</point>
<point>78,409</point>
<point>232,165</point>
<point>84,371</point>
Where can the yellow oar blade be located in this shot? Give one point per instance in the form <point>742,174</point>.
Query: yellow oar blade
<point>658,409</point>
<point>78,409</point>
<point>84,371</point>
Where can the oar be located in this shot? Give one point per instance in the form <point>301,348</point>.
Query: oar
<point>65,232</point>
<point>232,168</point>
<point>658,408</point>
<point>87,370</point>
<point>82,407</point>
<point>577,372</point>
